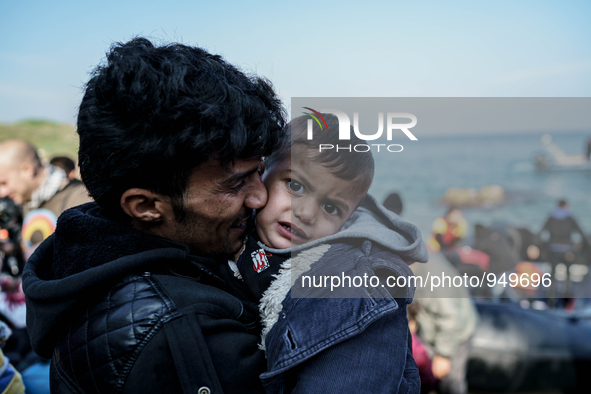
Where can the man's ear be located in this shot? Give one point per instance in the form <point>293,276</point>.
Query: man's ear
<point>28,170</point>
<point>145,206</point>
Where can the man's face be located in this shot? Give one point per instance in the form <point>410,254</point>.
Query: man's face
<point>15,183</point>
<point>218,203</point>
<point>306,202</point>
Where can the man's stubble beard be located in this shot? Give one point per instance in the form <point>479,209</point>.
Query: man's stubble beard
<point>228,250</point>
<point>190,228</point>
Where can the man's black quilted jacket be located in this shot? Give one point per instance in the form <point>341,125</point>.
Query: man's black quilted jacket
<point>118,312</point>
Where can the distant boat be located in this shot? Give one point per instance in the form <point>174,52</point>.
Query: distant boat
<point>555,160</point>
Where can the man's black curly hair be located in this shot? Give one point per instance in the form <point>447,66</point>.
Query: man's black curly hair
<point>151,114</point>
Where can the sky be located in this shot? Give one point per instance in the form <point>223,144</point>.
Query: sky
<point>306,48</point>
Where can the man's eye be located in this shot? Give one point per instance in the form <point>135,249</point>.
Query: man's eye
<point>295,186</point>
<point>238,187</point>
<point>331,209</point>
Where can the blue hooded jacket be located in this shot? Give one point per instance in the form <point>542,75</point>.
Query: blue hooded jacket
<point>329,338</point>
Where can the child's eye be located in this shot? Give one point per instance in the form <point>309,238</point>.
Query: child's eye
<point>331,209</point>
<point>295,186</point>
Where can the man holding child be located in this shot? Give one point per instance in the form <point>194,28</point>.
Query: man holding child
<point>135,293</point>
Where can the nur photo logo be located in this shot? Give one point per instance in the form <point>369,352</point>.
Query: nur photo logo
<point>392,124</point>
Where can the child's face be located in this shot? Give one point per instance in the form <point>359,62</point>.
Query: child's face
<point>305,202</point>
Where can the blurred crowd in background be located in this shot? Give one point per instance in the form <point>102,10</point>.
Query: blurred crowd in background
<point>525,328</point>
<point>32,195</point>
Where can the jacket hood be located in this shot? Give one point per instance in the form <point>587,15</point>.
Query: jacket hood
<point>86,254</point>
<point>372,221</point>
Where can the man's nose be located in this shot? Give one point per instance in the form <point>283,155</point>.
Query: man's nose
<point>257,194</point>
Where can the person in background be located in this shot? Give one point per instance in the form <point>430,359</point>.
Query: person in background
<point>446,321</point>
<point>394,203</point>
<point>561,230</point>
<point>447,234</point>
<point>11,381</point>
<point>66,164</point>
<point>448,231</point>
<point>561,234</point>
<point>25,180</point>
